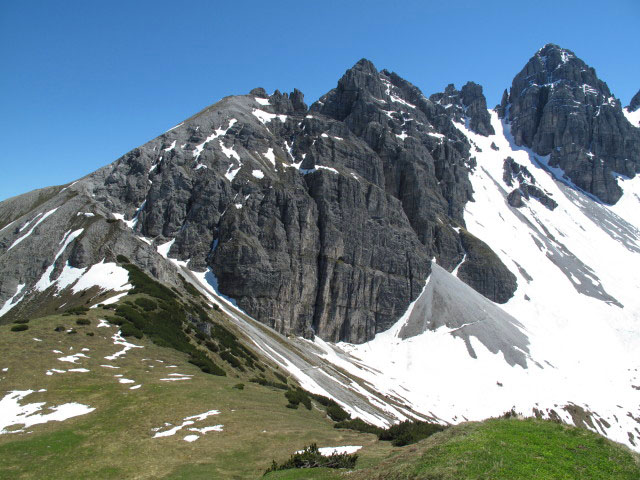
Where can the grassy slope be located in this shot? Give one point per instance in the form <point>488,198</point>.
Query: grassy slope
<point>115,441</point>
<point>510,450</point>
<point>497,450</point>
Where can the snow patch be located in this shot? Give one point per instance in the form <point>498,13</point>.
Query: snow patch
<point>26,235</point>
<point>217,133</point>
<point>185,423</point>
<point>73,358</point>
<point>633,117</point>
<point>70,275</point>
<point>266,117</point>
<point>12,413</point>
<point>12,302</point>
<point>271,157</point>
<point>118,339</point>
<point>106,276</point>
<point>328,451</point>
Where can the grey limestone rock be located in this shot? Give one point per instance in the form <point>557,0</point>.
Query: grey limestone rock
<point>635,102</point>
<point>315,221</point>
<point>559,107</point>
<point>468,103</point>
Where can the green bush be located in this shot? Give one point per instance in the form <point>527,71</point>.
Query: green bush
<point>280,377</point>
<point>83,321</point>
<point>296,396</point>
<point>129,330</point>
<point>21,320</point>
<point>133,315</point>
<point>143,283</point>
<point>204,363</point>
<point>310,457</point>
<point>20,327</point>
<point>239,386</point>
<point>116,320</point>
<point>359,425</point>
<point>336,413</point>
<point>146,304</point>
<point>190,288</point>
<point>122,259</point>
<point>77,310</point>
<point>228,357</point>
<point>72,332</point>
<point>408,432</point>
<point>90,334</point>
<point>267,383</point>
<point>60,328</point>
<point>211,346</point>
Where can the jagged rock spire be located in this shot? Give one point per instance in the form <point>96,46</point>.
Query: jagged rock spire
<point>559,107</point>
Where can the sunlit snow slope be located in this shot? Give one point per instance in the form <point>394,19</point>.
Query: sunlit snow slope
<point>565,346</point>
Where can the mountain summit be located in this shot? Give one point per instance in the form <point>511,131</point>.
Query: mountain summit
<point>558,107</point>
<point>407,256</point>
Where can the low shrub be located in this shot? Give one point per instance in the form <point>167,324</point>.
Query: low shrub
<point>337,413</point>
<point>60,328</point>
<point>310,457</point>
<point>129,330</point>
<point>116,320</point>
<point>228,357</point>
<point>280,377</point>
<point>204,363</point>
<point>83,321</point>
<point>239,386</point>
<point>21,320</point>
<point>72,332</point>
<point>190,288</point>
<point>359,425</point>
<point>146,304</point>
<point>408,432</point>
<point>296,396</point>
<point>90,334</point>
<point>268,383</point>
<point>122,259</point>
<point>20,327</point>
<point>77,310</point>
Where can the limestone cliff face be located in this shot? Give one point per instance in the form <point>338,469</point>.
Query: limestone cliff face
<point>320,220</point>
<point>557,106</point>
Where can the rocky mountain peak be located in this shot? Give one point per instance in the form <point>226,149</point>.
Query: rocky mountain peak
<point>558,107</point>
<point>553,66</point>
<point>469,102</point>
<point>634,105</point>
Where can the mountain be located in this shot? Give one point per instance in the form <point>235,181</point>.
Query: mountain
<point>631,111</point>
<point>559,108</point>
<point>319,221</point>
<point>409,257</point>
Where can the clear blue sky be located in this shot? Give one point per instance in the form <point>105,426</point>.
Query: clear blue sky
<point>83,82</point>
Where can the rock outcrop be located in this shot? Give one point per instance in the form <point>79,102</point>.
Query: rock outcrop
<point>558,107</point>
<point>526,186</point>
<point>468,103</point>
<point>634,105</point>
<point>319,220</point>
